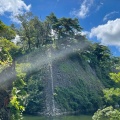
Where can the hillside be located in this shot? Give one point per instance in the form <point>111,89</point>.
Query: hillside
<point>65,84</point>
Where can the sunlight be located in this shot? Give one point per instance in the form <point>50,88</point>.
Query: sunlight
<point>40,59</point>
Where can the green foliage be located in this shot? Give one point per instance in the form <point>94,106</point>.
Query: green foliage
<point>78,98</point>
<point>112,96</point>
<point>9,47</point>
<point>101,60</point>
<point>108,113</point>
<point>6,31</point>
<point>5,59</point>
<point>35,101</point>
<point>18,95</point>
<point>109,93</point>
<point>36,33</point>
<point>115,77</point>
<point>97,55</point>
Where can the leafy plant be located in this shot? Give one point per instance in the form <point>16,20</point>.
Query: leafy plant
<point>112,96</point>
<point>18,95</point>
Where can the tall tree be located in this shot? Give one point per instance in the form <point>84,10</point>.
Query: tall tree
<point>38,31</point>
<point>27,28</point>
<point>63,27</point>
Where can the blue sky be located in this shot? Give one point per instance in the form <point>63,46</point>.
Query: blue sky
<point>99,18</point>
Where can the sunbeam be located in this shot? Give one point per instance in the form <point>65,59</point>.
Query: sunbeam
<point>40,58</point>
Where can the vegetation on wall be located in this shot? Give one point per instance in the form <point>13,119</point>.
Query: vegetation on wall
<point>35,101</point>
<point>78,99</point>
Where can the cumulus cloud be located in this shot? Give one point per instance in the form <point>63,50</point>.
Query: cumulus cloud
<point>14,7</point>
<point>109,33</point>
<point>109,15</point>
<point>84,9</point>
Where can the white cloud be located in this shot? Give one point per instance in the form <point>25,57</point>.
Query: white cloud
<point>14,7</point>
<point>16,39</point>
<point>109,33</point>
<point>109,15</point>
<point>84,9</point>
<point>86,33</point>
